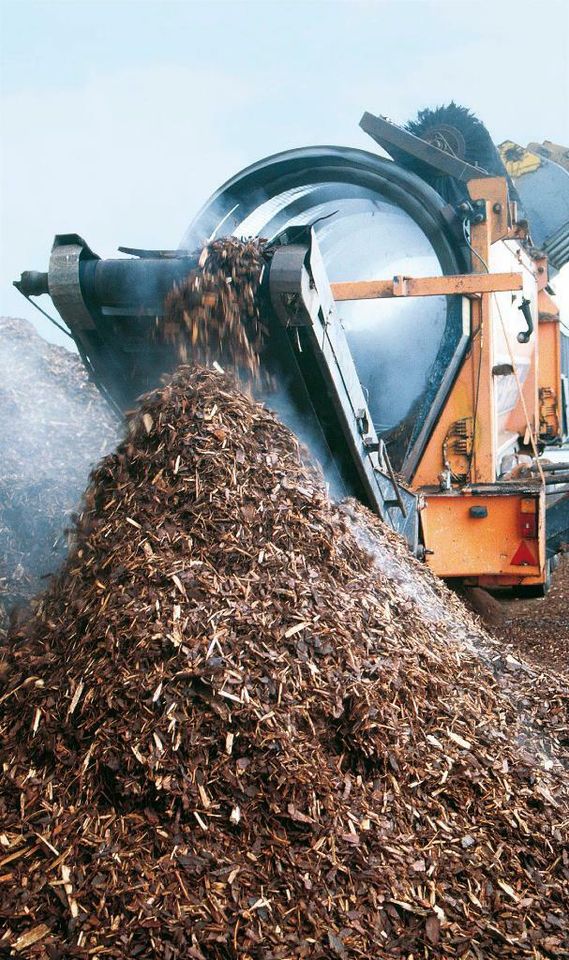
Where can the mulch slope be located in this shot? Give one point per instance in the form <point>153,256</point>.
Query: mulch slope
<point>538,630</point>
<point>230,731</point>
<point>53,426</point>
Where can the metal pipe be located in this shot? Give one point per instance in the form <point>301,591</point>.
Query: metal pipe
<point>552,467</point>
<point>132,283</point>
<point>555,480</point>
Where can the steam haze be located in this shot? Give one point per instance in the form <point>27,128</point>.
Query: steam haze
<point>53,427</point>
<point>119,120</point>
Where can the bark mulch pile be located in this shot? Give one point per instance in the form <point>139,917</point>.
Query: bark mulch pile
<point>230,731</point>
<point>53,426</point>
<point>538,630</point>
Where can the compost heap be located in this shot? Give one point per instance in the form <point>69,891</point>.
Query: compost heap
<point>53,426</point>
<point>227,734</point>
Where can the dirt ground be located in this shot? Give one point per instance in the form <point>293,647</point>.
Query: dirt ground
<point>537,630</point>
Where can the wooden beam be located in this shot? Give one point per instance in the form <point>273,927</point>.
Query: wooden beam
<point>465,284</point>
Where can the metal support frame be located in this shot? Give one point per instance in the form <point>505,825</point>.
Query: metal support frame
<point>389,135</point>
<point>464,284</point>
<point>301,296</point>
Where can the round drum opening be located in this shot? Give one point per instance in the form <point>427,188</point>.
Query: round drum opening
<point>373,220</point>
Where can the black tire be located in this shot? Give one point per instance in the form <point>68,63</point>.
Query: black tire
<point>540,589</point>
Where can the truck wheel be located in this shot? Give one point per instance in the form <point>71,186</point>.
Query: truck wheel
<point>540,589</point>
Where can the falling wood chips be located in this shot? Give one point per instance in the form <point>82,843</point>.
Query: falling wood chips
<point>215,314</point>
<point>253,742</point>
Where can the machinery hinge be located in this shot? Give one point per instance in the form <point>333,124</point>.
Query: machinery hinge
<point>372,445</point>
<point>473,210</point>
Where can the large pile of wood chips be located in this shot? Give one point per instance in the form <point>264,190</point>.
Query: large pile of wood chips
<point>230,731</point>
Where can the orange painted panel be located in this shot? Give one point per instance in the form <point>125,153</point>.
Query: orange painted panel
<point>463,545</point>
<point>458,406</point>
<point>549,364</point>
<point>475,378</point>
<point>495,191</point>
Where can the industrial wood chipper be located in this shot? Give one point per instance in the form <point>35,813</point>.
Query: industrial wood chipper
<point>414,335</point>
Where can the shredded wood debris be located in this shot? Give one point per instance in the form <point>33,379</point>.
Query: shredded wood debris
<point>538,630</point>
<point>243,723</point>
<point>215,314</point>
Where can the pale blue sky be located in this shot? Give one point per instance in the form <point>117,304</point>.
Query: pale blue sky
<point>119,119</point>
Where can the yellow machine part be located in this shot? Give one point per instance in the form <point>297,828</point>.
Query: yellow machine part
<point>518,160</point>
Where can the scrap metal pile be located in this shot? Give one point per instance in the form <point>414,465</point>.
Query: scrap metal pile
<point>226,733</point>
<point>53,426</point>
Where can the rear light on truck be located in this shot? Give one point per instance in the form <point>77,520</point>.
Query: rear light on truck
<point>528,518</point>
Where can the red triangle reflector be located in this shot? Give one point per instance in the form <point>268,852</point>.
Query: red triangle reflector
<point>523,556</point>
